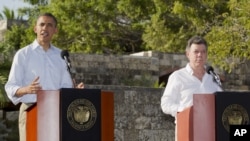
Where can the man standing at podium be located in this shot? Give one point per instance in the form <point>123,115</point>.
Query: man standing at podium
<point>37,66</point>
<point>192,79</point>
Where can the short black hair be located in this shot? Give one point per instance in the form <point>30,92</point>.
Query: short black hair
<point>49,15</point>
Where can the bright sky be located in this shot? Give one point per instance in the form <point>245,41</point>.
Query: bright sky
<point>12,4</point>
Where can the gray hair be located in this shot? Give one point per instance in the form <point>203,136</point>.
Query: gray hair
<point>196,40</point>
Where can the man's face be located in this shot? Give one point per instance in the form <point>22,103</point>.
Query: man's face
<point>197,55</point>
<point>45,28</point>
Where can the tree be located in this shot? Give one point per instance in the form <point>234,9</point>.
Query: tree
<point>100,26</point>
<point>176,21</point>
<point>37,2</point>
<point>9,14</point>
<point>1,16</point>
<point>126,26</point>
<point>230,39</point>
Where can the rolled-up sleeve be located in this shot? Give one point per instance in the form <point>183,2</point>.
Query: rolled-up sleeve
<point>14,81</point>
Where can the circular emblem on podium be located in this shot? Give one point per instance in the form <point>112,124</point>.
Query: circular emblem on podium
<point>234,114</point>
<point>81,114</point>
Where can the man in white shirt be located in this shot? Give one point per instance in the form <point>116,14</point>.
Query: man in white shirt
<point>192,79</point>
<point>38,66</point>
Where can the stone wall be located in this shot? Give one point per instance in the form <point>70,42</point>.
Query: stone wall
<point>141,69</point>
<point>115,70</point>
<point>144,69</point>
<point>138,116</point>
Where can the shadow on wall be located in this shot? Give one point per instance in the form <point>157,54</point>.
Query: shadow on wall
<point>163,79</point>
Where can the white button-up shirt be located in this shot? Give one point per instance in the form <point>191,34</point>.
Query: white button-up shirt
<point>182,84</point>
<point>32,61</point>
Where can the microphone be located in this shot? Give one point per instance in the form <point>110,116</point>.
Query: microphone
<point>210,70</point>
<point>65,56</point>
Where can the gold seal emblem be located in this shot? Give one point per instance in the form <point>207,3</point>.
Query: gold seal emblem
<point>81,114</point>
<point>234,114</point>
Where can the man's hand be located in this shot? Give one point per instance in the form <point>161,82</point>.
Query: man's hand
<point>80,85</point>
<point>33,88</point>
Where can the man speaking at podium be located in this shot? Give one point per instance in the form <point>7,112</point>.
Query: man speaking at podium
<point>192,79</point>
<point>38,66</point>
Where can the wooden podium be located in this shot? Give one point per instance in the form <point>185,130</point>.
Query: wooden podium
<point>211,115</point>
<point>71,114</point>
<point>197,123</point>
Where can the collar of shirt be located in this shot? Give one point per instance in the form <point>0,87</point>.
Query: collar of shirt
<point>36,45</point>
<point>190,70</point>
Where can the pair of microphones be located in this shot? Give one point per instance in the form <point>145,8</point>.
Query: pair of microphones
<point>209,69</point>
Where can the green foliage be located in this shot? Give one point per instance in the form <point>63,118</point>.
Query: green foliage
<point>13,39</point>
<point>157,85</point>
<point>9,14</point>
<point>166,31</point>
<point>3,98</point>
<point>230,39</point>
<point>37,2</point>
<point>176,21</point>
<point>98,26</point>
<point>3,78</point>
<point>125,26</point>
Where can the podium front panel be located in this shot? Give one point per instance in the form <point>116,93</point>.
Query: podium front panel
<point>80,114</point>
<point>203,117</point>
<point>47,116</point>
<point>231,108</point>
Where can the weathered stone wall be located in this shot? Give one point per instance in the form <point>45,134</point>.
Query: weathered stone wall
<point>138,116</point>
<point>115,70</point>
<point>144,69</point>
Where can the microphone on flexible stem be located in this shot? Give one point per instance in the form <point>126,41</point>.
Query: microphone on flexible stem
<point>65,57</point>
<point>210,70</point>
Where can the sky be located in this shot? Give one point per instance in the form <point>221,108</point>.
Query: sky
<point>12,4</point>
